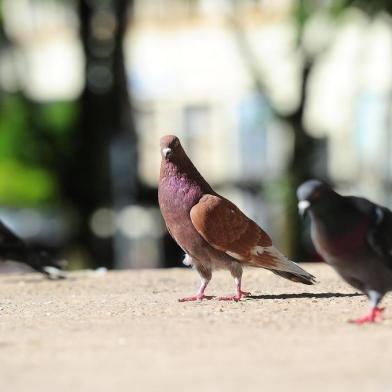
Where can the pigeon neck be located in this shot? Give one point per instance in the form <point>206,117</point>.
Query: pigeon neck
<point>335,214</point>
<point>184,169</point>
<point>327,208</point>
<point>170,169</point>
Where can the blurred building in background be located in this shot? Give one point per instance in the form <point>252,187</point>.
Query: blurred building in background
<point>248,86</point>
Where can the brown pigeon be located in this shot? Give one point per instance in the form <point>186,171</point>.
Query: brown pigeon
<point>354,236</point>
<point>211,230</point>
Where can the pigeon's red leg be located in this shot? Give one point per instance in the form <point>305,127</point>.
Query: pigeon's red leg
<point>200,294</point>
<point>237,296</point>
<point>374,314</point>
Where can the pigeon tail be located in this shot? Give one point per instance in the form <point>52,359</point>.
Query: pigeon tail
<point>44,263</point>
<point>272,259</point>
<point>295,277</point>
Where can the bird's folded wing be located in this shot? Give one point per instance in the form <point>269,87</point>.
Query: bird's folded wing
<point>380,230</point>
<point>8,238</point>
<point>380,234</point>
<point>226,228</point>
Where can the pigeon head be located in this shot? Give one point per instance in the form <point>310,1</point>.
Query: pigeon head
<point>171,148</point>
<point>176,164</point>
<point>311,193</point>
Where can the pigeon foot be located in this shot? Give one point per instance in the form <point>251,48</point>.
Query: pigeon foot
<point>374,315</point>
<point>197,297</point>
<point>235,297</point>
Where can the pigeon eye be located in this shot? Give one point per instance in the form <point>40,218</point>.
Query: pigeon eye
<point>316,195</point>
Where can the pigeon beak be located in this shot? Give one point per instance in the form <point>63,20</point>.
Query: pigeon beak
<point>166,151</point>
<point>303,205</point>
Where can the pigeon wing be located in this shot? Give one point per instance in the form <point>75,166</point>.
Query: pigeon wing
<point>380,232</point>
<point>227,229</point>
<point>8,239</point>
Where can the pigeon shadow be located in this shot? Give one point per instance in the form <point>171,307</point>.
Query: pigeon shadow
<point>303,295</point>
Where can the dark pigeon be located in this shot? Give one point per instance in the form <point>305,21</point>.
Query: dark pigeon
<point>211,230</point>
<point>14,248</point>
<point>354,236</point>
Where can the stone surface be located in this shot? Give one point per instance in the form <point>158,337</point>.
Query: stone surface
<point>125,331</point>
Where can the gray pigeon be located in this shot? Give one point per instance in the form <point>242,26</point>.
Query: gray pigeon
<point>210,229</point>
<point>354,236</point>
<point>14,248</point>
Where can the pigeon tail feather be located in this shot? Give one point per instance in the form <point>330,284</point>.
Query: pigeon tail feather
<point>46,264</point>
<point>273,260</point>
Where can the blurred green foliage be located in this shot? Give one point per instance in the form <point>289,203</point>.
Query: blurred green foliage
<point>58,117</point>
<point>32,138</point>
<point>22,184</point>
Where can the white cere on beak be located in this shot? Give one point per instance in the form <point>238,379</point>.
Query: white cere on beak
<point>303,205</point>
<point>165,151</point>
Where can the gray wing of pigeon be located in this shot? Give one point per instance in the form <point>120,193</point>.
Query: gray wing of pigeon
<point>380,232</point>
<point>9,240</point>
<point>14,248</point>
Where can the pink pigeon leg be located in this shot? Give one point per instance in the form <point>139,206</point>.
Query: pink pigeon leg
<point>375,314</point>
<point>200,294</point>
<point>238,295</point>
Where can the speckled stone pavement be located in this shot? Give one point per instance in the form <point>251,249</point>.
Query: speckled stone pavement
<point>126,331</point>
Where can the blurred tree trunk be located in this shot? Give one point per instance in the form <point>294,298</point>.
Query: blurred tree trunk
<point>303,161</point>
<point>106,142</point>
<point>305,147</point>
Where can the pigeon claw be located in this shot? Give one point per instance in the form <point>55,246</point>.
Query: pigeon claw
<point>235,297</point>
<point>197,297</point>
<point>246,293</point>
<point>374,315</point>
